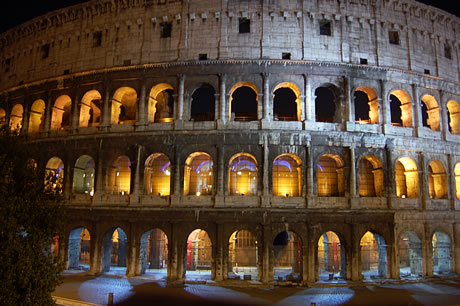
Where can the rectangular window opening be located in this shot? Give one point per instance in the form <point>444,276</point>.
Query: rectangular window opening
<point>165,30</point>
<point>447,51</point>
<point>45,51</point>
<point>393,37</point>
<point>427,71</point>
<point>286,56</point>
<point>127,62</point>
<point>363,61</point>
<point>325,28</point>
<point>97,39</point>
<point>202,57</point>
<point>244,25</point>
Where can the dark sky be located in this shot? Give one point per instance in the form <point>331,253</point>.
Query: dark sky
<point>13,13</point>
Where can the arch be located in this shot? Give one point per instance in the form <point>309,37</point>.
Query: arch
<point>203,104</point>
<point>244,102</point>
<point>124,106</point>
<point>61,113</point>
<point>198,174</point>
<point>287,248</point>
<point>453,109</point>
<point>437,180</point>
<point>457,179</point>
<point>406,178</point>
<point>114,251</point>
<point>286,102</point>
<point>401,108</point>
<point>83,175</point>
<point>373,255</point>
<point>243,255</point>
<point>330,176</point>
<point>442,253</point>
<point>90,109</point>
<point>154,253</point>
<point>37,117</point>
<point>410,255</point>
<point>331,258</point>
<point>54,175</point>
<point>16,118</point>
<point>366,105</point>
<point>370,177</point>
<point>287,176</point>
<point>161,103</point>
<point>157,175</point>
<point>79,249</point>
<point>326,104</point>
<point>433,119</point>
<point>242,175</point>
<point>2,116</point>
<point>199,255</point>
<point>120,176</point>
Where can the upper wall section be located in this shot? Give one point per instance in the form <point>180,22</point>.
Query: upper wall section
<point>102,34</point>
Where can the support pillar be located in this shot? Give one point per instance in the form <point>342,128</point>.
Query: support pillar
<point>354,200</point>
<point>49,105</point>
<point>180,108</point>
<point>138,186</point>
<point>177,186</point>
<point>222,102</point>
<point>75,118</point>
<point>416,110</point>
<point>309,105</point>
<point>265,175</point>
<point>309,175</point>
<point>141,120</point>
<point>355,254</point>
<point>267,112</point>
<point>267,255</point>
<point>106,110</point>
<point>428,252</point>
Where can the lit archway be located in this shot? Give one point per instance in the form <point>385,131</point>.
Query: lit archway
<point>330,176</point>
<point>442,253</point>
<point>406,178</point>
<point>90,109</point>
<point>373,256</point>
<point>199,255</point>
<point>453,109</point>
<point>114,252</point>
<point>37,117</point>
<point>154,254</point>
<point>431,113</point>
<point>198,174</point>
<point>244,102</point>
<point>61,113</point>
<point>457,179</point>
<point>287,248</point>
<point>370,177</point>
<point>2,116</point>
<point>243,255</point>
<point>401,108</point>
<point>157,175</point>
<point>161,103</point>
<point>203,103</point>
<point>287,176</point>
<point>16,118</point>
<point>242,175</point>
<point>54,175</point>
<point>366,105</point>
<point>437,180</point>
<point>124,106</point>
<point>83,175</point>
<point>331,257</point>
<point>120,176</point>
<point>410,255</point>
<point>286,102</point>
<point>79,249</point>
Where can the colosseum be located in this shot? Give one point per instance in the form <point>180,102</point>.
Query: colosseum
<point>272,141</point>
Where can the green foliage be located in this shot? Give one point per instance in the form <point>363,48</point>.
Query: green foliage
<point>31,215</point>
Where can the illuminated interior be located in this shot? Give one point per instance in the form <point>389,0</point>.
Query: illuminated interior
<point>161,103</point>
<point>16,118</point>
<point>79,249</point>
<point>2,116</point>
<point>370,177</point>
<point>242,175</point>
<point>372,106</point>
<point>401,104</point>
<point>457,179</point>
<point>90,109</point>
<point>433,120</point>
<point>373,256</point>
<point>199,251</point>
<point>37,117</point>
<point>157,175</point>
<point>410,254</point>
<point>83,175</point>
<point>243,253</point>
<point>244,101</point>
<point>54,175</point>
<point>287,176</point>
<point>330,258</point>
<point>406,178</point>
<point>124,106</point>
<point>121,176</point>
<point>330,176</point>
<point>454,116</point>
<point>442,253</point>
<point>287,110</point>
<point>61,115</point>
<point>287,249</point>
<point>437,180</point>
<point>198,174</point>
<point>154,250</point>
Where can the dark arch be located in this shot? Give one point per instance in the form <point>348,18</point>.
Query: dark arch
<point>325,107</point>
<point>395,108</point>
<point>244,104</point>
<point>284,105</point>
<point>203,104</point>
<point>362,108</point>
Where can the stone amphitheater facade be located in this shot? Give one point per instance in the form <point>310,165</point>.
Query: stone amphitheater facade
<point>308,126</point>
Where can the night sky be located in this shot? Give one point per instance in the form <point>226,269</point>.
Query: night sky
<point>13,13</point>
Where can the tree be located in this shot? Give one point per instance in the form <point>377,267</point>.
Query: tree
<point>31,216</point>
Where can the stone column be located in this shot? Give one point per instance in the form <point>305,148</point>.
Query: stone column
<point>74,252</point>
<point>180,108</point>
<point>349,109</point>
<point>265,175</point>
<point>309,103</point>
<point>122,250</point>
<point>95,251</point>
<point>355,254</point>
<point>310,169</point>
<point>106,109</point>
<point>138,186</point>
<point>222,101</point>
<point>267,112</point>
<point>177,186</point>
<point>423,180</point>
<point>220,254</point>
<point>49,106</point>
<point>385,103</point>
<point>68,175</point>
<point>132,252</point>
<point>451,186</point>
<point>99,186</point>
<point>354,196</point>
<point>220,180</point>
<point>267,255</point>
<point>427,247</point>
<point>75,116</point>
<point>416,110</point>
<point>141,113</point>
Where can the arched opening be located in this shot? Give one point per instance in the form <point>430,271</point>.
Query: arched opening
<point>114,252</point>
<point>442,253</point>
<point>83,175</point>
<point>457,179</point>
<point>373,256</point>
<point>203,104</point>
<point>198,174</point>
<point>332,262</point>
<point>242,174</point>
<point>286,102</point>
<point>90,109</point>
<point>406,178</point>
<point>330,176</point>
<point>287,176</point>
<point>154,254</point>
<point>243,102</point>
<point>326,109</point>
<point>287,249</point>
<point>120,176</point>
<point>453,109</point>
<point>366,106</point>
<point>243,256</point>
<point>437,180</point>
<point>2,116</point>
<point>161,103</point>
<point>199,256</point>
<point>157,175</point>
<point>37,117</point>
<point>430,113</point>
<point>79,249</point>
<point>401,108</point>
<point>410,255</point>
<point>61,113</point>
<point>16,118</point>
<point>124,106</point>
<point>54,175</point>
<point>370,177</point>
